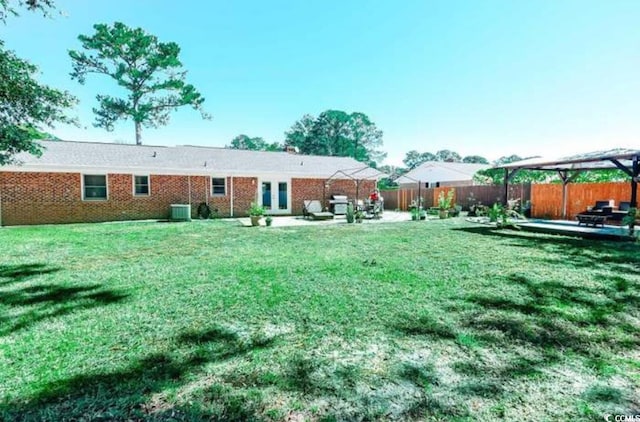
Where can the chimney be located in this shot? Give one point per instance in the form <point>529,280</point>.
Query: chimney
<point>291,149</point>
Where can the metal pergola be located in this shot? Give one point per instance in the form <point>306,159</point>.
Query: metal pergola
<point>358,175</point>
<point>627,160</point>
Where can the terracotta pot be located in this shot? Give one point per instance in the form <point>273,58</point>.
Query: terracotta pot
<point>255,220</point>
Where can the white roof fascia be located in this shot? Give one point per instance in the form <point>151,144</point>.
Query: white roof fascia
<point>156,171</point>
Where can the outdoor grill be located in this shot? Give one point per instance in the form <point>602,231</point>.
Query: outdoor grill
<point>339,204</point>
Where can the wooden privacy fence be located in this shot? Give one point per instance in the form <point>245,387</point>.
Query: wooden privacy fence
<point>546,199</point>
<point>463,195</point>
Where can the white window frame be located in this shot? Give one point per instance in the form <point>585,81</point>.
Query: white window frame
<point>106,181</point>
<point>133,177</point>
<point>225,186</point>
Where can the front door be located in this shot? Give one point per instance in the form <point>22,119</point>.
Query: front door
<point>276,196</point>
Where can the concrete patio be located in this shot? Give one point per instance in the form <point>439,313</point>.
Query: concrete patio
<point>298,220</point>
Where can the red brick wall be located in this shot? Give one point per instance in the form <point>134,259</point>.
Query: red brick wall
<point>43,198</point>
<point>303,189</point>
<point>245,191</point>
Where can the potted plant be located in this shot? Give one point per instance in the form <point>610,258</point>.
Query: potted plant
<point>255,213</point>
<point>444,203</point>
<point>455,210</point>
<point>359,216</point>
<point>268,220</point>
<point>351,213</point>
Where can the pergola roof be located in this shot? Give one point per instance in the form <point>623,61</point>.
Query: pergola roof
<point>627,160</point>
<point>586,161</point>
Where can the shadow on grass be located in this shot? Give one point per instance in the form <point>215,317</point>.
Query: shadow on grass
<point>17,273</point>
<point>128,393</point>
<point>617,257</point>
<point>533,325</point>
<point>26,305</point>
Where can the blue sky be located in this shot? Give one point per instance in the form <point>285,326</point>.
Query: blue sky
<point>490,78</point>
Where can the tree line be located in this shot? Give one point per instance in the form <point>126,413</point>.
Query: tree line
<point>331,133</point>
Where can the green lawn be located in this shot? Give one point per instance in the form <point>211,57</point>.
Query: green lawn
<point>438,320</point>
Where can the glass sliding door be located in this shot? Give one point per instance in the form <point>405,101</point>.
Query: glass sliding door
<point>266,195</point>
<point>283,204</point>
<point>276,196</point>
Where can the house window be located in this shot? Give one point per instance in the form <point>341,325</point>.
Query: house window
<point>95,187</point>
<point>218,186</point>
<point>141,185</point>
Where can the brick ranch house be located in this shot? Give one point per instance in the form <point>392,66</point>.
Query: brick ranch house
<point>93,182</point>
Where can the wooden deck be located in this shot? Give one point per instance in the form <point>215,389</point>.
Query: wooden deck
<point>571,228</point>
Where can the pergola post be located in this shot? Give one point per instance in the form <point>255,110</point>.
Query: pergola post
<point>566,179</point>
<point>505,191</point>
<point>634,181</point>
<point>565,182</point>
<point>508,175</point>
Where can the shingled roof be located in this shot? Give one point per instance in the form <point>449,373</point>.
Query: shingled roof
<point>61,156</point>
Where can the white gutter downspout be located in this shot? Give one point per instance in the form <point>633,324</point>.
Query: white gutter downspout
<point>206,191</point>
<point>189,183</point>
<point>231,200</point>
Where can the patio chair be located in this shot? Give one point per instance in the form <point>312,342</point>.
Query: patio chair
<point>601,207</point>
<point>596,215</point>
<point>618,215</point>
<point>313,209</point>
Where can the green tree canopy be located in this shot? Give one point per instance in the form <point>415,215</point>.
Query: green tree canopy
<point>254,144</point>
<point>148,69</point>
<point>26,106</point>
<point>496,176</point>
<point>337,133</point>
<point>414,158</point>
<point>475,159</point>
<point>394,172</point>
<point>448,156</point>
<point>8,7</point>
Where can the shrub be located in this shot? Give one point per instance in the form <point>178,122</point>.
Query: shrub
<point>256,209</point>
<point>351,214</point>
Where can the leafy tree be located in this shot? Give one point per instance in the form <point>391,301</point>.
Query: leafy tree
<point>601,176</point>
<point>393,172</point>
<point>496,176</point>
<point>366,138</point>
<point>301,132</point>
<point>337,133</point>
<point>6,9</point>
<point>330,133</point>
<point>148,69</point>
<point>427,156</point>
<point>413,158</point>
<point>475,159</point>
<point>25,105</point>
<point>448,156</point>
<point>254,144</point>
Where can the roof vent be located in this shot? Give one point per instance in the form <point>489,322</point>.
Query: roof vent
<point>154,154</point>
